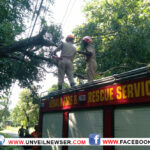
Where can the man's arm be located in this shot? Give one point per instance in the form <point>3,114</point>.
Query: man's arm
<point>88,54</point>
<point>58,48</point>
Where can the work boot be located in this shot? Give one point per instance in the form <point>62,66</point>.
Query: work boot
<point>72,84</point>
<point>59,87</point>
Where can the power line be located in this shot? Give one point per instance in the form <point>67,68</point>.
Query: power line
<point>66,11</point>
<point>38,13</point>
<point>73,4</point>
<point>44,12</point>
<point>35,9</point>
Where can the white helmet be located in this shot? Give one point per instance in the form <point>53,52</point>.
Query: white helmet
<point>87,39</point>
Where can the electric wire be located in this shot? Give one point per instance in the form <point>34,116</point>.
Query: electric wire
<point>66,11</point>
<point>35,10</point>
<point>38,13</point>
<point>45,11</point>
<point>73,4</point>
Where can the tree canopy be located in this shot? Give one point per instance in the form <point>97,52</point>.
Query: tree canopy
<point>26,112</point>
<point>54,87</point>
<point>4,108</point>
<point>120,32</point>
<point>25,59</point>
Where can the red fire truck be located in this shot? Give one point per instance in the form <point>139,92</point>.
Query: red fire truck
<point>115,106</point>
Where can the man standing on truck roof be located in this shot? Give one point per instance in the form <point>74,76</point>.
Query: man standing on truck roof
<point>65,63</point>
<point>91,64</point>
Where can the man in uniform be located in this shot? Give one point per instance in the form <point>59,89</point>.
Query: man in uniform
<point>91,64</point>
<point>65,64</point>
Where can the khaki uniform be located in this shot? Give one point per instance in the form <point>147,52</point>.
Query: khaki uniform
<point>91,64</point>
<point>65,65</point>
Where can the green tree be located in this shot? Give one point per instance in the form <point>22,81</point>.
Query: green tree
<point>25,59</point>
<point>4,111</point>
<point>26,111</point>
<point>120,32</point>
<point>54,87</point>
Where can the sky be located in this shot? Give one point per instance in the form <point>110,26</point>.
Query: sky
<point>69,14</point>
<point>70,17</point>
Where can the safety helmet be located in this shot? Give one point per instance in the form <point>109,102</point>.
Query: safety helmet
<point>87,39</point>
<point>70,36</point>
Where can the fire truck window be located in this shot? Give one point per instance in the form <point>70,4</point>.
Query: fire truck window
<point>83,123</point>
<point>132,122</point>
<point>52,128</point>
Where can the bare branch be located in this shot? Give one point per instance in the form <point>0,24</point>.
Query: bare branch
<point>17,58</point>
<point>113,68</point>
<point>31,55</point>
<point>141,63</point>
<point>47,70</point>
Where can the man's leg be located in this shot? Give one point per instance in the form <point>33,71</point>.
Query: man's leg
<point>69,72</point>
<point>61,73</point>
<point>91,70</point>
<point>88,72</point>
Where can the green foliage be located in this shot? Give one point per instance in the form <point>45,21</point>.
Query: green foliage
<point>120,32</point>
<point>11,147</point>
<point>11,19</point>
<point>5,135</point>
<point>4,111</point>
<point>26,111</point>
<point>18,65</point>
<point>11,25</point>
<point>54,87</point>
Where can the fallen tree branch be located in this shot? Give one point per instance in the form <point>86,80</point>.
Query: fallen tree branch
<point>21,46</point>
<point>47,70</point>
<point>84,77</point>
<point>17,58</point>
<point>113,68</point>
<point>32,55</point>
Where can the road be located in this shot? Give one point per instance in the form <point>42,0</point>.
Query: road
<point>11,133</point>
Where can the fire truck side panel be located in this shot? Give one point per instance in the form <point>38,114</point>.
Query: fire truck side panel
<point>52,127</point>
<point>83,123</point>
<point>132,122</point>
<point>115,106</point>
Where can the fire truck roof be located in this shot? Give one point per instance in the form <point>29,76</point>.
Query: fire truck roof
<point>116,78</point>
